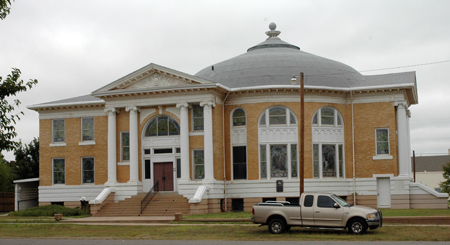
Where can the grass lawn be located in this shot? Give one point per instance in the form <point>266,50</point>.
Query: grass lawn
<point>218,232</point>
<point>386,213</point>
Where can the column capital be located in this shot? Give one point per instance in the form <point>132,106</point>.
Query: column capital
<point>180,105</point>
<point>111,111</point>
<point>208,104</point>
<point>401,104</point>
<point>132,108</point>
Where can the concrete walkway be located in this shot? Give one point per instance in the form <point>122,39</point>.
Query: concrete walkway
<point>125,219</point>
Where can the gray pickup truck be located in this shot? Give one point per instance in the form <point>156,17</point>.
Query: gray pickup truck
<point>316,210</point>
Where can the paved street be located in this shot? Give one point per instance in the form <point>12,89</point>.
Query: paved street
<point>171,242</point>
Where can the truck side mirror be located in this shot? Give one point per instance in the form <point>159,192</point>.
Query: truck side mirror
<point>335,205</point>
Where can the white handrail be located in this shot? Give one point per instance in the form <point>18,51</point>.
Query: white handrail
<point>201,190</point>
<point>102,196</point>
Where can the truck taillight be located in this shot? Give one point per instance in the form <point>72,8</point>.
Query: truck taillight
<point>253,211</point>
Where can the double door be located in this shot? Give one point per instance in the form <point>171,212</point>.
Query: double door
<point>162,172</point>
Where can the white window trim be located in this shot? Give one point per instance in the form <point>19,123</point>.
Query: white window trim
<point>193,130</point>
<point>53,170</point>
<point>336,145</point>
<point>232,117</point>
<point>123,162</point>
<point>87,142</point>
<point>337,115</point>
<point>83,170</point>
<point>382,156</point>
<point>53,144</point>
<point>193,164</point>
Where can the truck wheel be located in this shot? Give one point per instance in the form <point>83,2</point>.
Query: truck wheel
<point>357,226</point>
<point>277,226</point>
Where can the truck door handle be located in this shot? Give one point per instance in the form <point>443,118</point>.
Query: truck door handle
<point>317,212</point>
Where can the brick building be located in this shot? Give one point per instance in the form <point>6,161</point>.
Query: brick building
<point>222,138</point>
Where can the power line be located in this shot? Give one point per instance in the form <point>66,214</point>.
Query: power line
<point>398,67</point>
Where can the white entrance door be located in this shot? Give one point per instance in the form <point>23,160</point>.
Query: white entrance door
<point>383,193</point>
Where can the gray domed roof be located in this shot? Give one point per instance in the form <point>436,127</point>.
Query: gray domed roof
<point>274,62</point>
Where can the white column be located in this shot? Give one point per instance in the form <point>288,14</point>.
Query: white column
<point>208,140</point>
<point>402,128</point>
<point>134,151</point>
<point>112,161</point>
<point>184,140</point>
<point>408,114</point>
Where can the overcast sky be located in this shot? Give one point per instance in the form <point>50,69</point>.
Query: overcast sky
<point>76,47</point>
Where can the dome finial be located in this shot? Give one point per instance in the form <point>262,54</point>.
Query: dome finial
<point>273,33</point>
<point>272,26</point>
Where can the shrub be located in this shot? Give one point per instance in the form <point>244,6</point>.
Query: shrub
<point>48,210</point>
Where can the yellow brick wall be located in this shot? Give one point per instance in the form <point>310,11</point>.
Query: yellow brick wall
<point>73,152</point>
<point>367,118</point>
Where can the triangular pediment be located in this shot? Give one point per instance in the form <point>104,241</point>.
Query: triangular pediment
<point>152,77</point>
<point>153,80</point>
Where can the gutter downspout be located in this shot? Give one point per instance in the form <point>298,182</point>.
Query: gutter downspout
<point>353,151</point>
<point>223,150</point>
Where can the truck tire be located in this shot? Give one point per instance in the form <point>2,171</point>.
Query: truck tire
<point>357,226</point>
<point>277,226</point>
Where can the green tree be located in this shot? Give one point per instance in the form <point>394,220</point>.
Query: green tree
<point>8,89</point>
<point>445,185</point>
<point>4,9</point>
<point>6,182</point>
<point>27,161</point>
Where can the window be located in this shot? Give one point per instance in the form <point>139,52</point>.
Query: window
<point>278,161</point>
<point>199,166</point>
<point>325,202</point>
<point>162,126</point>
<point>327,116</point>
<point>125,146</point>
<point>178,168</point>
<point>239,117</point>
<point>87,129</point>
<point>198,117</point>
<point>382,135</point>
<point>88,169</point>
<point>277,115</point>
<point>240,162</point>
<point>59,171</point>
<point>328,158</point>
<point>309,199</point>
<point>332,161</point>
<point>147,169</point>
<point>263,161</point>
<point>294,161</point>
<point>58,131</point>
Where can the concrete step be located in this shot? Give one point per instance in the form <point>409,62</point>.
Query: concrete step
<point>163,203</point>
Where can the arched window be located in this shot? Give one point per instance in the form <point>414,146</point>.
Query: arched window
<point>162,126</point>
<point>277,116</point>
<point>239,117</point>
<point>327,116</point>
<point>278,139</point>
<point>328,144</point>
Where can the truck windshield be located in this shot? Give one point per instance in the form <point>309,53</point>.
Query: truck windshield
<point>340,201</point>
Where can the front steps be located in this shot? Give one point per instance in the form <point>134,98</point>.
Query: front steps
<point>162,204</point>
